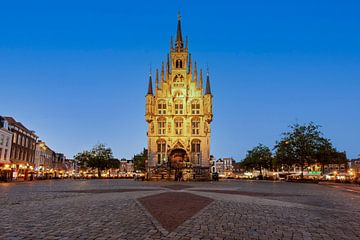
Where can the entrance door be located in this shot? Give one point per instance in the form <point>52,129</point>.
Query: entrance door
<point>178,159</point>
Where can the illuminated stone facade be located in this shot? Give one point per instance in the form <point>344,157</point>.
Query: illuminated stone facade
<point>179,113</point>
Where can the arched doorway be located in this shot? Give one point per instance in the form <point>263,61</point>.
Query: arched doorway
<point>178,161</point>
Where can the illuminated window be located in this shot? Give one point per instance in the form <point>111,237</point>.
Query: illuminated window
<point>195,108</point>
<point>196,151</point>
<point>195,126</point>
<point>179,126</point>
<point>162,126</point>
<point>161,151</point>
<point>179,108</point>
<point>162,108</point>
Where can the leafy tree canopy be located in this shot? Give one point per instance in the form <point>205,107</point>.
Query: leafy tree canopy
<point>258,158</point>
<point>140,160</point>
<point>99,157</point>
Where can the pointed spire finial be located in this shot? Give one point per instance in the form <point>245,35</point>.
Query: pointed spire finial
<point>179,41</point>
<point>201,79</point>
<point>150,88</point>
<point>195,72</point>
<point>157,79</point>
<point>208,88</point>
<point>162,72</point>
<point>168,66</point>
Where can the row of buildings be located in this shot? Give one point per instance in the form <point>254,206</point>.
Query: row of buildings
<point>229,168</point>
<point>23,156</point>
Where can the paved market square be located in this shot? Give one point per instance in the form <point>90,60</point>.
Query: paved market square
<point>127,209</point>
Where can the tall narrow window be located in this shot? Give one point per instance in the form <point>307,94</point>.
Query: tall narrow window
<point>161,126</point>
<point>195,126</point>
<point>178,63</point>
<point>179,108</point>
<point>195,108</point>
<point>178,126</point>
<point>15,137</point>
<point>161,151</point>
<point>162,108</point>
<point>196,151</point>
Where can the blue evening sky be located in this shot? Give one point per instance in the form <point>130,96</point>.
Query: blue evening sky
<point>76,72</point>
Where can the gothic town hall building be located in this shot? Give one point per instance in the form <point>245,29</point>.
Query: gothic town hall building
<point>179,113</point>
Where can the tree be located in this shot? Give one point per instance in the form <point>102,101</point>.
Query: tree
<point>283,155</point>
<point>302,142</point>
<point>99,157</point>
<point>258,158</point>
<point>82,159</point>
<point>139,160</point>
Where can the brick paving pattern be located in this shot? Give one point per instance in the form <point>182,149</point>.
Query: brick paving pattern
<point>69,209</point>
<point>172,209</point>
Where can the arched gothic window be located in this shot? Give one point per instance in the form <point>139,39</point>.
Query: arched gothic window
<point>179,63</point>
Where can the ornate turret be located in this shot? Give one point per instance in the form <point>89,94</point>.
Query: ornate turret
<point>149,112</point>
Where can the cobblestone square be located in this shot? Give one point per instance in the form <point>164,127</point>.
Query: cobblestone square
<point>110,209</point>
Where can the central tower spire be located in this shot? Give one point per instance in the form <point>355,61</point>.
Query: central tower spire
<point>179,44</point>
